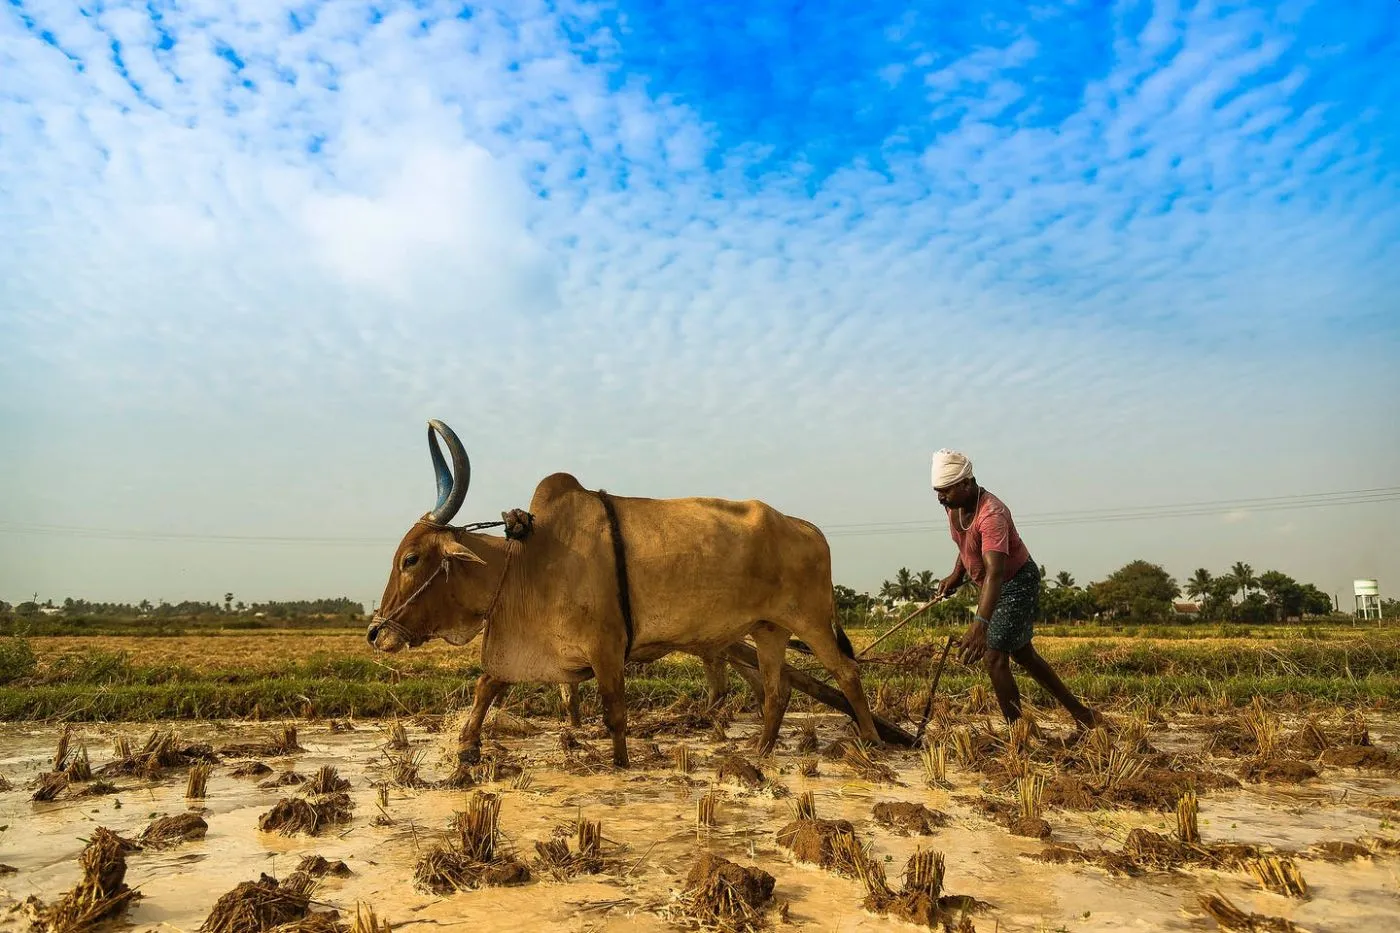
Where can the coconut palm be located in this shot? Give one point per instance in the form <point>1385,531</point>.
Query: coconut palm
<point>1064,580</point>
<point>905,585</point>
<point>1198,587</point>
<point>1244,577</point>
<point>926,583</point>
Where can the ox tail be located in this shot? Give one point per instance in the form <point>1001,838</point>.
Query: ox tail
<point>843,642</point>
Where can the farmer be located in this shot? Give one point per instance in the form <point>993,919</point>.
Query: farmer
<point>991,552</point>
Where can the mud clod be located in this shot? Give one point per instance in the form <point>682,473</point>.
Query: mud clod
<point>317,866</point>
<point>295,815</point>
<point>909,818</point>
<point>173,830</point>
<point>251,769</point>
<point>1032,827</point>
<point>1361,756</point>
<point>819,842</point>
<point>740,770</point>
<point>255,906</point>
<point>720,893</point>
<point>1277,771</point>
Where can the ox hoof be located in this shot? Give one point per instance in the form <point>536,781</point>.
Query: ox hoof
<point>469,756</point>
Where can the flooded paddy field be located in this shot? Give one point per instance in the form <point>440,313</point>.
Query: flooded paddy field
<point>1291,820</point>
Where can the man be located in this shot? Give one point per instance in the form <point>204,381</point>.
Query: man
<point>992,554</point>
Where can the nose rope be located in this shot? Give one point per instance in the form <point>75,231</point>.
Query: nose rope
<point>390,620</point>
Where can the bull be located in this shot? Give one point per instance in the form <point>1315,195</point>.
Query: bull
<point>603,580</point>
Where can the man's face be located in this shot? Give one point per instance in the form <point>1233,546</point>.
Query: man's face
<point>955,496</point>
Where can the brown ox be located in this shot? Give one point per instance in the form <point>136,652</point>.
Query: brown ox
<point>581,595</point>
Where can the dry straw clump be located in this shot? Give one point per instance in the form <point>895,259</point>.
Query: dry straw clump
<point>922,900</point>
<point>163,749</point>
<point>934,759</point>
<point>398,736</point>
<point>79,767</point>
<point>294,815</point>
<point>555,857</point>
<point>50,784</point>
<point>327,780</point>
<point>859,760</point>
<point>1231,918</point>
<point>1187,811</point>
<point>470,858</point>
<point>1279,875</point>
<point>102,892</point>
<point>284,742</point>
<point>706,808</point>
<point>195,784</point>
<point>255,906</point>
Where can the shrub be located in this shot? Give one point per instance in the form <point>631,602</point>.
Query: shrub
<point>17,659</point>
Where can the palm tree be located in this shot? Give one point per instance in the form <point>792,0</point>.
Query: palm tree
<point>1198,587</point>
<point>228,602</point>
<point>1064,580</point>
<point>926,584</point>
<point>1244,577</point>
<point>904,584</point>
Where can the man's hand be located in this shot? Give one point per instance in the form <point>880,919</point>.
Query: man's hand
<point>949,585</point>
<point>974,642</point>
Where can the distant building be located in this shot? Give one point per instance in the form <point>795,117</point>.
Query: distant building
<point>1186,609</point>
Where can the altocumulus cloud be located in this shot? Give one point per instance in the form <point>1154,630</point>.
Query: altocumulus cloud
<point>737,250</point>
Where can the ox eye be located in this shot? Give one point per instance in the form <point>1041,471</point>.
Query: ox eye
<point>409,561</point>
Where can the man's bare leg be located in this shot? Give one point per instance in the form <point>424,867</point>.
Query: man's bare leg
<point>1045,675</point>
<point>998,665</point>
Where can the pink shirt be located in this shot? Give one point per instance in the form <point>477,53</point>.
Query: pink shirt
<point>991,530</point>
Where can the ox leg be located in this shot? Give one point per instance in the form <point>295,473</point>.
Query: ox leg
<point>716,678</point>
<point>771,644</point>
<point>487,690</point>
<point>612,693</point>
<point>847,673</point>
<point>569,693</point>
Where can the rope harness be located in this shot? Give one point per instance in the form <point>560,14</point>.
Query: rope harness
<point>624,590</point>
<point>518,525</point>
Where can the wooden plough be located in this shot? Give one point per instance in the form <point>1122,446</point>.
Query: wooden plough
<point>744,659</point>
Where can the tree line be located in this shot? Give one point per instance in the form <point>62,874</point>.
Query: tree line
<point>337,607</point>
<point>1139,590</point>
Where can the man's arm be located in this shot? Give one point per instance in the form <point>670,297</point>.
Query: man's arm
<point>949,584</point>
<point>974,642</point>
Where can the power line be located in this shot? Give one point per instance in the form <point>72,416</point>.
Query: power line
<point>1382,494</point>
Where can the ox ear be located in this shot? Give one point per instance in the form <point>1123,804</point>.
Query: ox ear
<point>457,551</point>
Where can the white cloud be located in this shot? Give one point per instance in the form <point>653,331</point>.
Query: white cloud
<point>473,220</point>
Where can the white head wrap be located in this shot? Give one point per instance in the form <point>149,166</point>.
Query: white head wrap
<point>949,467</point>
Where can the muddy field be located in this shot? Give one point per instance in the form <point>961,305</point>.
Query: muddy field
<point>1037,829</point>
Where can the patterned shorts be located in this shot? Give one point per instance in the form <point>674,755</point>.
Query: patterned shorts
<point>1013,620</point>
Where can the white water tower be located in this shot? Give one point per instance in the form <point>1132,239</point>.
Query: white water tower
<point>1368,599</point>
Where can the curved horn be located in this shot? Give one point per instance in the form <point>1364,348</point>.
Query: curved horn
<point>452,486</point>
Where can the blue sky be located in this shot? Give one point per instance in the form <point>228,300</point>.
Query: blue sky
<point>1123,254</point>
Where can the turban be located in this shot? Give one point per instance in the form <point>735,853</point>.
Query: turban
<point>949,467</point>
